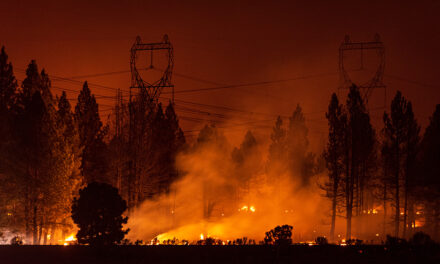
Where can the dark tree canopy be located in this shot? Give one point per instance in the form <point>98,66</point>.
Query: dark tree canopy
<point>98,214</point>
<point>8,83</point>
<point>91,136</point>
<point>334,155</point>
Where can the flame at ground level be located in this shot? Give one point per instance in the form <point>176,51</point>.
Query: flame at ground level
<point>69,240</point>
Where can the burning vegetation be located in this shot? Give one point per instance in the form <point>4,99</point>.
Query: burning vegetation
<point>365,183</point>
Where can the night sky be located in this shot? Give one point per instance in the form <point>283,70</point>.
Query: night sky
<point>231,42</point>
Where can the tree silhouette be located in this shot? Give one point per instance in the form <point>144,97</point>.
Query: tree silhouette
<point>8,93</point>
<point>280,235</point>
<point>334,155</point>
<point>300,161</point>
<point>277,148</point>
<point>412,142</point>
<point>91,135</point>
<point>401,140</point>
<point>98,214</point>
<point>359,151</point>
<point>429,183</point>
<point>8,83</point>
<point>247,160</point>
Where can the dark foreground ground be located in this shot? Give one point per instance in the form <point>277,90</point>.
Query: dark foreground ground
<point>217,254</point>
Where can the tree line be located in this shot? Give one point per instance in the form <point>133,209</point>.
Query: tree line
<point>395,169</point>
<point>49,149</point>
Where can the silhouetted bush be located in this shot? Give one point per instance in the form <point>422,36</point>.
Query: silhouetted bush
<point>354,242</point>
<point>139,242</point>
<point>98,214</point>
<point>395,241</point>
<point>209,241</point>
<point>16,241</point>
<point>280,235</point>
<point>421,239</point>
<point>321,241</point>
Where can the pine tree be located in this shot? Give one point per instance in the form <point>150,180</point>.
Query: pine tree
<point>8,93</point>
<point>34,138</point>
<point>91,134</point>
<point>277,148</point>
<point>161,143</point>
<point>300,161</point>
<point>213,148</point>
<point>412,141</point>
<point>359,148</point>
<point>394,137</point>
<point>8,83</point>
<point>247,159</point>
<point>429,182</point>
<point>177,140</point>
<point>385,179</point>
<point>46,156</point>
<point>334,155</point>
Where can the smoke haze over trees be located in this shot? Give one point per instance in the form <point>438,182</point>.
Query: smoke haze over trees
<point>51,146</point>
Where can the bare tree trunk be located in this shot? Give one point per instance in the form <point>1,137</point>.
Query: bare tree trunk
<point>348,191</point>
<point>26,215</point>
<point>335,193</point>
<point>405,209</point>
<point>52,234</point>
<point>406,190</point>
<point>45,236</point>
<point>35,225</point>
<point>40,230</point>
<point>384,208</point>
<point>397,197</point>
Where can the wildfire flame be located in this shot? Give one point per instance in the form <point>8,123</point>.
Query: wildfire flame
<point>247,208</point>
<point>69,239</point>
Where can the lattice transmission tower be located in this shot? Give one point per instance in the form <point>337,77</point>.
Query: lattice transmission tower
<point>145,91</point>
<point>376,81</point>
<point>153,88</point>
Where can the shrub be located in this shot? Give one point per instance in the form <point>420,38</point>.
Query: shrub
<point>280,235</point>
<point>98,214</point>
<point>421,239</point>
<point>321,241</point>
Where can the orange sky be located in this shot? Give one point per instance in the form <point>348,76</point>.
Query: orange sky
<point>231,42</point>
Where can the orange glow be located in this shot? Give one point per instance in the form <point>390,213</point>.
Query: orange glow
<point>246,208</point>
<point>69,240</point>
<point>418,223</point>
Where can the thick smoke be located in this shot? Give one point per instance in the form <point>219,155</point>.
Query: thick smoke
<point>228,194</point>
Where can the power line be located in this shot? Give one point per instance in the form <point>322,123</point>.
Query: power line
<point>411,81</point>
<point>99,74</point>
<point>250,84</point>
<point>59,78</point>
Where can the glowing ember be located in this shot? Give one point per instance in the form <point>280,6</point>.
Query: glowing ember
<point>252,209</point>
